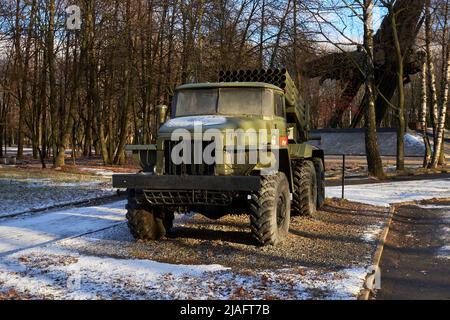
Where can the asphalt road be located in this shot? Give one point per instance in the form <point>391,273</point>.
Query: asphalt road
<point>415,264</point>
<point>366,180</point>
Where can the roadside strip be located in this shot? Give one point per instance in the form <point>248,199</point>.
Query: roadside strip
<point>370,279</point>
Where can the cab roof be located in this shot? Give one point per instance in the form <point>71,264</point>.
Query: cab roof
<point>199,86</point>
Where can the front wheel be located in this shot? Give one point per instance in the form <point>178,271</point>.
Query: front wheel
<point>271,210</point>
<point>147,223</point>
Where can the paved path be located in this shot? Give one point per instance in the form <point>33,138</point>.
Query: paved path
<point>416,259</point>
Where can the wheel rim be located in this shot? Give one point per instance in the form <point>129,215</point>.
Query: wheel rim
<point>281,210</point>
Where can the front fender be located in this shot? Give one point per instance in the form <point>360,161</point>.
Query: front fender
<point>301,151</point>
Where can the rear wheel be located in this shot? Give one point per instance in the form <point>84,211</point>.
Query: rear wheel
<point>271,210</point>
<point>147,223</point>
<point>305,197</point>
<point>320,174</point>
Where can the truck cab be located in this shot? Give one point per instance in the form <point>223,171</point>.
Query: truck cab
<point>243,116</point>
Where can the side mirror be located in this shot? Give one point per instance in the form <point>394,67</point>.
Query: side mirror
<point>162,111</point>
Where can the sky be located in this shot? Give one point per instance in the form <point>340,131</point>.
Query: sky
<point>345,21</point>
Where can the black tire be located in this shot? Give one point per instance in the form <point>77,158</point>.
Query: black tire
<point>168,218</point>
<point>271,210</point>
<point>146,223</point>
<point>305,198</point>
<point>320,174</point>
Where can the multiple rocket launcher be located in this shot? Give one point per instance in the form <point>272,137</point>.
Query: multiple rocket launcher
<point>297,111</point>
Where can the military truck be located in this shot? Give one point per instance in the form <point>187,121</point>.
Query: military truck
<point>270,192</point>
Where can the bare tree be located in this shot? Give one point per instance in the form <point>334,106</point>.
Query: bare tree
<point>424,114</point>
<point>438,106</point>
<point>400,108</point>
<point>438,155</point>
<point>373,155</point>
<point>363,61</point>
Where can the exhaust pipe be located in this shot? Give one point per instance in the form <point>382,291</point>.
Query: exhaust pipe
<point>161,111</point>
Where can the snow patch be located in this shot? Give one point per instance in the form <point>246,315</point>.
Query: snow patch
<point>414,142</point>
<point>20,196</point>
<point>67,275</point>
<point>49,182</point>
<point>62,274</point>
<point>433,207</point>
<point>444,253</point>
<point>372,233</point>
<point>181,218</point>
<point>385,194</point>
<point>39,229</point>
<point>98,172</point>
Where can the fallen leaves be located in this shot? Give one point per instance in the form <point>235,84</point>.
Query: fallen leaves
<point>240,292</point>
<point>11,294</point>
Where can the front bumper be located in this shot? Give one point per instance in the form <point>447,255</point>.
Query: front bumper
<point>192,183</point>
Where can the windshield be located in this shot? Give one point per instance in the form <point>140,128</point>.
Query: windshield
<point>225,101</point>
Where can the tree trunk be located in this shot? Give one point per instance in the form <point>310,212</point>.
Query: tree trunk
<point>424,114</point>
<point>439,153</point>
<point>128,99</point>
<point>262,34</point>
<point>68,119</point>
<point>401,94</point>
<point>431,69</point>
<point>374,162</point>
<point>439,139</point>
<point>52,78</point>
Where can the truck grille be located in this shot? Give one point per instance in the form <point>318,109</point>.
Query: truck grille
<point>190,169</point>
<point>188,198</point>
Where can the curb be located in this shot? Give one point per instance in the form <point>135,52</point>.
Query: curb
<point>365,294</point>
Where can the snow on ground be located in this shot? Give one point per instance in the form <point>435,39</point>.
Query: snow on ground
<point>444,253</point>
<point>29,231</point>
<point>384,194</point>
<point>12,151</point>
<point>414,142</point>
<point>53,273</point>
<point>34,263</point>
<point>373,232</point>
<point>18,196</point>
<point>38,183</point>
<point>67,275</point>
<point>435,207</point>
<point>98,172</point>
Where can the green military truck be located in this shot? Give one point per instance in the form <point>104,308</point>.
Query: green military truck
<point>248,112</point>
